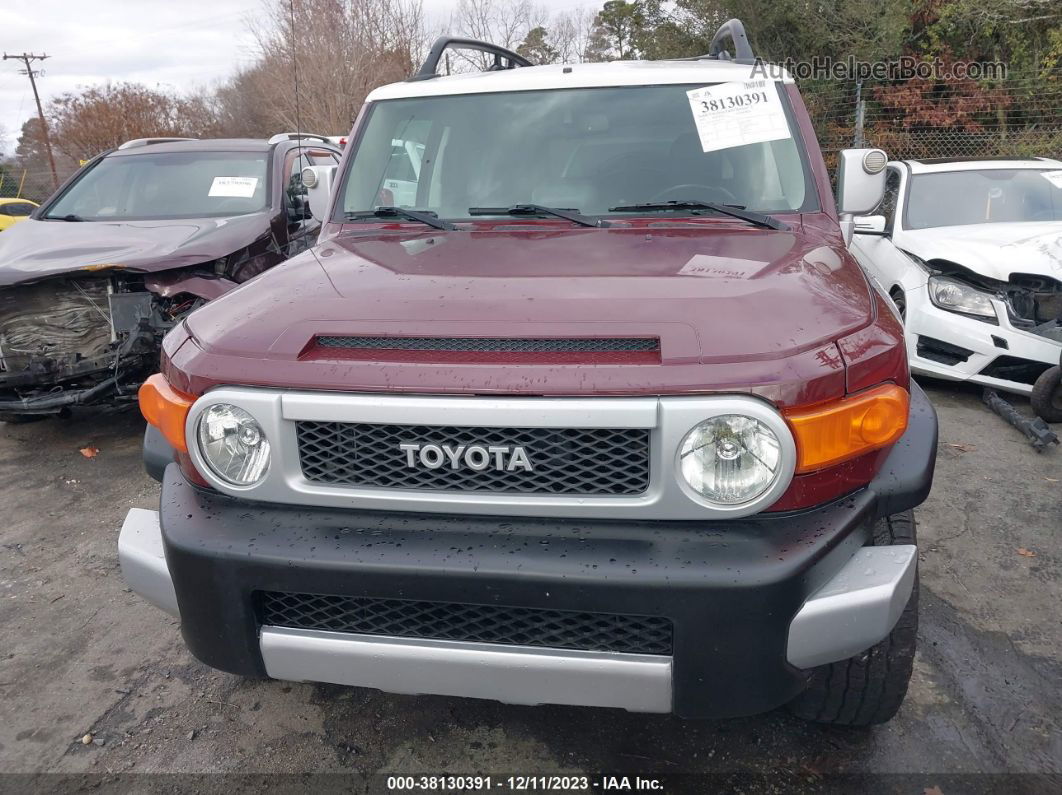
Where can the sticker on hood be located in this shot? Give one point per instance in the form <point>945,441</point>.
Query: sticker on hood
<point>708,266</point>
<point>738,113</point>
<point>233,187</point>
<point>1054,177</point>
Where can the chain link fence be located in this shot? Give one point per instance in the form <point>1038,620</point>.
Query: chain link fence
<point>936,119</point>
<point>24,183</point>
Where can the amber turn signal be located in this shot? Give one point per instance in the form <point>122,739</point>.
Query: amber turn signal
<point>844,429</point>
<point>166,409</point>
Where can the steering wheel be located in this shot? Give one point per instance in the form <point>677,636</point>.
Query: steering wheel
<point>685,190</point>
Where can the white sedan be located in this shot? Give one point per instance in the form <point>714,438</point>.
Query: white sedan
<point>971,254</point>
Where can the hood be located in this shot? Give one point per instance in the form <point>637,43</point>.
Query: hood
<point>37,249</point>
<point>994,250</point>
<point>718,294</point>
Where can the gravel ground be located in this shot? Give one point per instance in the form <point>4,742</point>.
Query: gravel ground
<point>81,655</point>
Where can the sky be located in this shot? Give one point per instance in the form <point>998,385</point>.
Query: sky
<point>171,44</point>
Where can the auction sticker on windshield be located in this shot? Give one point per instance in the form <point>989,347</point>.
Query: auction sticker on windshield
<point>738,113</point>
<point>233,187</point>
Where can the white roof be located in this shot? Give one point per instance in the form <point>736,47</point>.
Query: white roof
<point>583,75</point>
<point>931,167</point>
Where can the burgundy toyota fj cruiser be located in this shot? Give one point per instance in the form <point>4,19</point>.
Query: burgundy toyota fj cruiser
<point>580,399</point>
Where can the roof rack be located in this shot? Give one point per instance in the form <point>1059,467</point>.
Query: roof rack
<point>732,30</point>
<point>503,58</point>
<point>133,144</point>
<point>295,136</point>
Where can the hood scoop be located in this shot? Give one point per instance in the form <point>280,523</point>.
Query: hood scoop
<point>487,350</point>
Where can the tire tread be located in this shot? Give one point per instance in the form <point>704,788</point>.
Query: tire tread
<point>1043,398</point>
<point>869,687</point>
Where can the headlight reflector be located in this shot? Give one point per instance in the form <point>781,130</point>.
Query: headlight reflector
<point>954,296</point>
<point>730,459</point>
<point>233,444</point>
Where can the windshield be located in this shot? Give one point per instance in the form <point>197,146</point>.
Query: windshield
<point>17,209</point>
<point>586,149</point>
<point>168,185</point>
<point>958,198</point>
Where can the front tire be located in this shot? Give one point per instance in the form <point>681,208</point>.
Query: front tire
<point>899,299</point>
<point>869,687</point>
<point>1046,397</point>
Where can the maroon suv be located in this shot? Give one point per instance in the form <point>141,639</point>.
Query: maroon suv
<point>580,399</point>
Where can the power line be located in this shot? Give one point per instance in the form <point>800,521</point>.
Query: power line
<point>27,58</point>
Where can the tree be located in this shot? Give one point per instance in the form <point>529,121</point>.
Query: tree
<point>28,173</point>
<point>341,50</point>
<point>506,23</point>
<point>95,119</point>
<point>616,29</point>
<point>30,145</point>
<point>536,47</point>
<point>676,30</point>
<point>778,29</point>
<point>1026,35</point>
<point>571,34</point>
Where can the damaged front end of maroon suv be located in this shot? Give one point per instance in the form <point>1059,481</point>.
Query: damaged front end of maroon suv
<point>134,241</point>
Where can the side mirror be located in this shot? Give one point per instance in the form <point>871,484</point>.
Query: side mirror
<point>869,224</point>
<point>860,184</point>
<point>318,183</point>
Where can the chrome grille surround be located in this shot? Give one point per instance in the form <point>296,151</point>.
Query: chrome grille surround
<point>667,419</point>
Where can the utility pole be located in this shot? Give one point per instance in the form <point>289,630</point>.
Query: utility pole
<point>27,58</point>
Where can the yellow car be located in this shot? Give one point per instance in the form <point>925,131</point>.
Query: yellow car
<point>14,210</point>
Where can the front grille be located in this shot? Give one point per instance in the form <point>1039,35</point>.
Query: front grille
<point>495,344</point>
<point>584,461</point>
<point>511,626</point>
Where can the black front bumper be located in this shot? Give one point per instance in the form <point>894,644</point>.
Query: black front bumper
<point>730,588</point>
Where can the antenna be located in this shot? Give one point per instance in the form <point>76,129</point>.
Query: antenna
<point>295,70</point>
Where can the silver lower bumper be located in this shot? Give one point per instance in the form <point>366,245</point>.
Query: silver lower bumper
<point>850,613</point>
<point>857,608</point>
<point>143,561</point>
<point>512,674</point>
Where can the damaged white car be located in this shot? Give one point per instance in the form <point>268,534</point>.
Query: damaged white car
<point>971,253</point>
<point>128,246</point>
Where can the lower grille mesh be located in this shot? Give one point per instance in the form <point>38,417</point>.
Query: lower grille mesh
<point>512,626</point>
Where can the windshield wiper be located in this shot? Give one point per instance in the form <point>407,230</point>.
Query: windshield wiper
<point>537,209</point>
<point>760,219</point>
<point>422,216</point>
<point>68,217</point>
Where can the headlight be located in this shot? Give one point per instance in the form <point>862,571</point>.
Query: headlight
<point>955,296</point>
<point>730,459</point>
<point>233,444</point>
